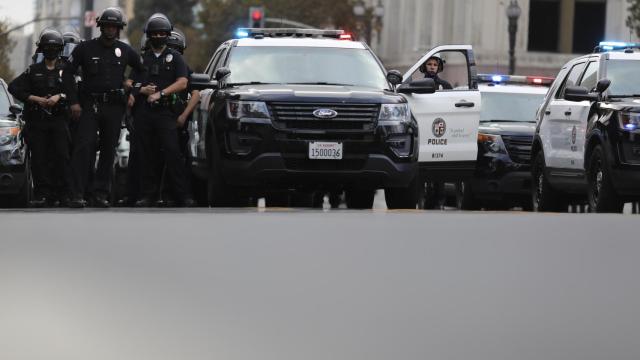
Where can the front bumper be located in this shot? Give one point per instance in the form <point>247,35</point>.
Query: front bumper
<point>497,176</point>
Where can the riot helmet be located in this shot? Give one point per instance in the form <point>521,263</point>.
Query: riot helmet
<point>111,16</point>
<point>436,57</point>
<point>50,43</point>
<point>177,41</point>
<point>71,40</point>
<point>158,28</point>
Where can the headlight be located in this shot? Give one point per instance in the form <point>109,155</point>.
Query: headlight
<point>8,135</point>
<point>394,113</point>
<point>237,110</point>
<point>492,143</point>
<point>629,121</point>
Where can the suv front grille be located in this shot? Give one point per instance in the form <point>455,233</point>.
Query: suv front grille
<point>351,118</point>
<point>518,147</point>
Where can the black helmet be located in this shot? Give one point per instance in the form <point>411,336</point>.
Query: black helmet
<point>111,16</point>
<point>158,23</point>
<point>71,37</point>
<point>51,37</point>
<point>423,67</point>
<point>177,41</point>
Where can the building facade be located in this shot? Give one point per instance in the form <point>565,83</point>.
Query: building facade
<point>550,32</point>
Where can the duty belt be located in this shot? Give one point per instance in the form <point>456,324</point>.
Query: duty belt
<point>108,96</point>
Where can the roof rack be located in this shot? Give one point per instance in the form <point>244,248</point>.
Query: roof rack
<point>288,32</point>
<point>515,79</point>
<point>605,46</point>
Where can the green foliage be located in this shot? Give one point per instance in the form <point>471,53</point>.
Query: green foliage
<point>6,44</point>
<point>633,19</point>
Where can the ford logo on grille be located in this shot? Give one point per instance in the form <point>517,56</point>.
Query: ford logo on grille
<point>325,113</point>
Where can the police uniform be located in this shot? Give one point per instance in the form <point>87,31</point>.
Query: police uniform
<point>155,124</point>
<point>46,128</point>
<point>103,102</point>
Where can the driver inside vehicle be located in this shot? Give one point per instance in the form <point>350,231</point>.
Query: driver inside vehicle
<point>431,68</point>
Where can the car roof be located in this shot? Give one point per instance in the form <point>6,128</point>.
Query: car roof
<point>300,42</point>
<point>512,88</point>
<point>620,55</point>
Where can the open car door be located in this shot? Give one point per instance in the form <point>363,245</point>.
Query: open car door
<point>448,119</point>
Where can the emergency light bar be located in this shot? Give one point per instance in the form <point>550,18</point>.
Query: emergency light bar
<point>515,79</point>
<point>294,32</point>
<point>615,45</point>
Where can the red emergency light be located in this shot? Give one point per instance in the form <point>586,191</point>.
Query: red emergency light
<point>256,15</point>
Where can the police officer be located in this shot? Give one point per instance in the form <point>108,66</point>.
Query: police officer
<point>164,77</point>
<point>431,68</point>
<point>100,105</point>
<point>44,90</point>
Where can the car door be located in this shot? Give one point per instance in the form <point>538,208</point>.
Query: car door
<point>198,124</point>
<point>557,128</point>
<point>580,117</point>
<point>448,120</point>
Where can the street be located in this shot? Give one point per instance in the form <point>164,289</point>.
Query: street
<point>311,284</point>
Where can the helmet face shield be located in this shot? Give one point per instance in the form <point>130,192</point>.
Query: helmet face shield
<point>68,50</point>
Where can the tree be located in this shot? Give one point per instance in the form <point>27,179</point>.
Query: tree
<point>6,44</point>
<point>633,19</point>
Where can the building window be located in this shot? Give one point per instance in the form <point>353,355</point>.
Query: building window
<point>588,26</point>
<point>544,17</point>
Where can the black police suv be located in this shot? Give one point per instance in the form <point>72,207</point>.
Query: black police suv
<point>16,185</point>
<point>587,142</point>
<point>291,112</point>
<point>502,178</point>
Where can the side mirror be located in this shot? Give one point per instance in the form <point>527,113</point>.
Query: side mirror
<point>15,109</point>
<point>221,73</point>
<point>420,86</point>
<point>579,93</point>
<point>603,85</point>
<point>202,81</point>
<point>394,77</point>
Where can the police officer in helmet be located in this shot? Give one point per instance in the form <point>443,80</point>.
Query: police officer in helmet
<point>431,68</point>
<point>43,90</point>
<point>100,105</point>
<point>165,76</point>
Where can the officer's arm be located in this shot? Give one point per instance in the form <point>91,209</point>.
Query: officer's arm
<point>69,85</point>
<point>20,87</point>
<point>133,60</point>
<point>182,74</point>
<point>193,102</point>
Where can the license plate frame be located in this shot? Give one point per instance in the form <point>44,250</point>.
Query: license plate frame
<point>325,150</point>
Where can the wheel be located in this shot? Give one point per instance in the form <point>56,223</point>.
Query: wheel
<point>465,200</point>
<point>359,198</point>
<point>601,194</point>
<point>336,198</point>
<point>219,194</point>
<point>543,196</point>
<point>25,195</point>
<point>276,198</point>
<point>403,198</point>
<point>302,199</point>
<point>433,195</point>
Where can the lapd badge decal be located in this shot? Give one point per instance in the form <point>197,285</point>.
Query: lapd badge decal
<point>118,52</point>
<point>439,127</point>
<point>574,135</point>
<point>169,58</point>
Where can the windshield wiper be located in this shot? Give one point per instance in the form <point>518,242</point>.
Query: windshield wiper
<point>320,83</point>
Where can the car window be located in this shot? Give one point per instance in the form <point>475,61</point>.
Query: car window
<point>509,106</point>
<point>590,77</point>
<point>212,63</point>
<point>571,79</point>
<point>454,71</point>
<point>220,62</point>
<point>624,77</point>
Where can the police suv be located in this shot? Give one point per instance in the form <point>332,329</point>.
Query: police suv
<point>587,141</point>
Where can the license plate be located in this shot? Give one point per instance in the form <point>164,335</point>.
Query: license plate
<point>325,150</point>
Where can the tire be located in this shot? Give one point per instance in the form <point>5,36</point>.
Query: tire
<point>543,196</point>
<point>277,198</point>
<point>403,198</point>
<point>359,198</point>
<point>465,200</point>
<point>219,194</point>
<point>601,194</point>
<point>433,195</point>
<point>302,199</point>
<point>25,195</point>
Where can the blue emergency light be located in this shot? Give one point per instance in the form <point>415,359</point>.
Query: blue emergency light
<point>242,33</point>
<point>616,45</point>
<point>496,78</point>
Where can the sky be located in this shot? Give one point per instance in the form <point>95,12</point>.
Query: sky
<point>16,11</point>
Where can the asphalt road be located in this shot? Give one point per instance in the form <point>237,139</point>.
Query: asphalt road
<point>302,284</point>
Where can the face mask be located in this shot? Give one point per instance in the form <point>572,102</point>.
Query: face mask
<point>51,54</point>
<point>158,42</point>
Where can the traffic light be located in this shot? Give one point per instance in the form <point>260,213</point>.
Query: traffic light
<point>256,16</point>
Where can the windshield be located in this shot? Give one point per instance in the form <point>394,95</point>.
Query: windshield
<point>509,106</point>
<point>305,65</point>
<point>4,101</point>
<point>624,77</point>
